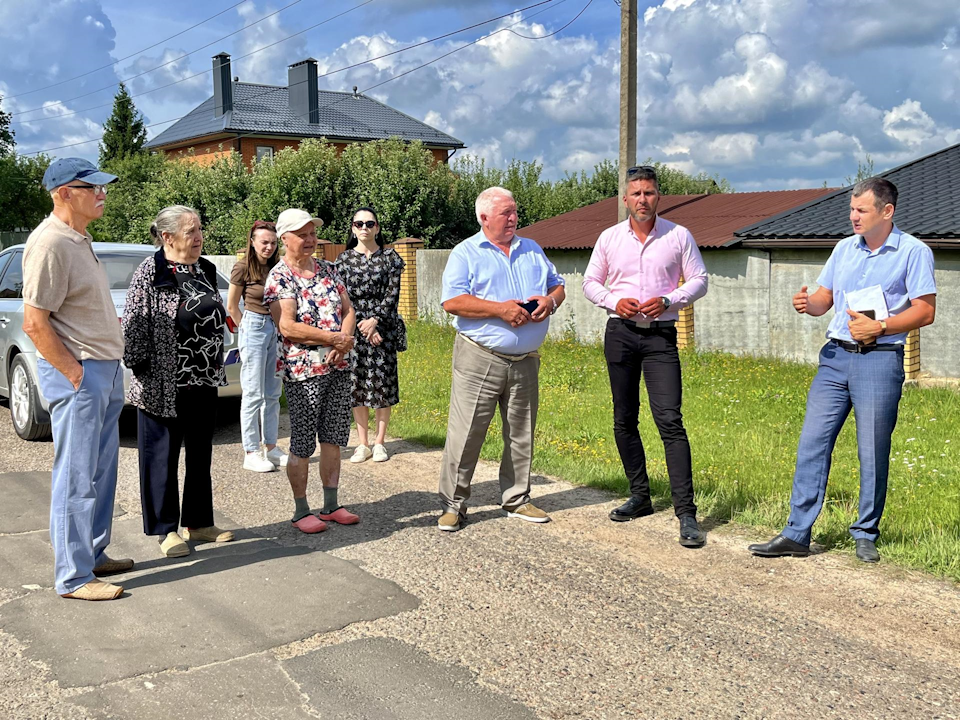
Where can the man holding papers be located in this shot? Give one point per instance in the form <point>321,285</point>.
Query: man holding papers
<point>880,284</point>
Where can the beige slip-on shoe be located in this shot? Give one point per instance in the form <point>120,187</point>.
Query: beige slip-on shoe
<point>95,590</point>
<point>208,534</point>
<point>109,566</point>
<point>173,546</point>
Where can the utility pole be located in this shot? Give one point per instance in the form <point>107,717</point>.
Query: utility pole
<point>628,94</point>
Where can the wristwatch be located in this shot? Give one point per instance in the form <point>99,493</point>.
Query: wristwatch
<point>883,327</point>
<point>666,302</point>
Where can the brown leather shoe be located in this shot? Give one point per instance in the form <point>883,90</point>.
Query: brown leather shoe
<point>109,566</point>
<point>95,590</point>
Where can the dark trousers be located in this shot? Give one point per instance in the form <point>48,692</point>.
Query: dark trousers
<point>632,352</point>
<point>159,440</point>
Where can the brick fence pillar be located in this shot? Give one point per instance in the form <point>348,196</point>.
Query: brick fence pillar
<point>685,326</point>
<point>407,250</point>
<point>911,355</point>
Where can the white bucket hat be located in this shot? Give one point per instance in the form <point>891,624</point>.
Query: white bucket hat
<point>292,220</point>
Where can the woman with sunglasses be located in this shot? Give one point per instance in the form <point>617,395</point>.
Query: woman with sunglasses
<point>261,384</point>
<point>372,276</point>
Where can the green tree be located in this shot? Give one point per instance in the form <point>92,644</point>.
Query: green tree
<point>130,208</point>
<point>23,200</point>
<point>123,132</point>
<point>7,142</point>
<point>864,171</point>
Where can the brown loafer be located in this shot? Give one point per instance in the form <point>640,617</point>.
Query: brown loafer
<point>95,590</point>
<point>109,566</point>
<point>208,534</point>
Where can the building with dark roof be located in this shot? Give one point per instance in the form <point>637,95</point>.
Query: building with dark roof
<point>713,219</point>
<point>927,209</point>
<point>259,120</point>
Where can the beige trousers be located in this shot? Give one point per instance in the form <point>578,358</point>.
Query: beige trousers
<point>481,383</point>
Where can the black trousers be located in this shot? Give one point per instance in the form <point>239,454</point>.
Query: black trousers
<point>159,440</point>
<point>632,352</point>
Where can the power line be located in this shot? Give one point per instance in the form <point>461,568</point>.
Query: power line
<point>117,62</point>
<point>332,72</point>
<point>384,82</point>
<point>169,62</point>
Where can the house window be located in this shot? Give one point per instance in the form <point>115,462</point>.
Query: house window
<point>264,152</point>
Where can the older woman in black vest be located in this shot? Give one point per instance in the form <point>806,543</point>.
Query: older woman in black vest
<point>173,329</point>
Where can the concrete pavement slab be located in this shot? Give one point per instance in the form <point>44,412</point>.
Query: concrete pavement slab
<point>25,502</point>
<point>251,687</point>
<point>391,680</point>
<point>221,602</point>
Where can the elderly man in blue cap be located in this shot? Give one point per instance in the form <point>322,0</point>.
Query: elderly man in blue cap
<point>70,316</point>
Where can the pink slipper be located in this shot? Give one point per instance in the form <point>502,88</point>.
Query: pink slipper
<point>340,515</point>
<point>310,524</point>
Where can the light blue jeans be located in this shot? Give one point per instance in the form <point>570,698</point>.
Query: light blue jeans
<point>871,384</point>
<point>260,406</point>
<point>86,444</point>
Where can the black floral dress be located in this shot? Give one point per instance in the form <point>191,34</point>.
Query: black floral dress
<point>373,285</point>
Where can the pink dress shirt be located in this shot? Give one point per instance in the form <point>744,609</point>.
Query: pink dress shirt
<point>644,270</point>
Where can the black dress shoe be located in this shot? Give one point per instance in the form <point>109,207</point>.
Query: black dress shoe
<point>690,534</point>
<point>867,550</point>
<point>632,508</point>
<point>780,546</point>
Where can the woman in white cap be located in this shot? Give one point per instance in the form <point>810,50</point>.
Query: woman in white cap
<point>311,308</point>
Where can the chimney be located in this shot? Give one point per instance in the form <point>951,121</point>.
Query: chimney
<point>302,90</point>
<point>222,87</point>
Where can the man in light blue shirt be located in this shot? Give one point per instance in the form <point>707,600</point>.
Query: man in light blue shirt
<point>501,290</point>
<point>880,282</point>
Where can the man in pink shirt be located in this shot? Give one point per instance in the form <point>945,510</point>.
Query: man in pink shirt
<point>642,261</point>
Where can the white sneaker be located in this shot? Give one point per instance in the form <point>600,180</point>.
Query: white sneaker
<point>380,453</point>
<point>257,463</point>
<point>360,454</point>
<point>277,456</point>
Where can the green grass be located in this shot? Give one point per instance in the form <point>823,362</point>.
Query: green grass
<point>743,416</point>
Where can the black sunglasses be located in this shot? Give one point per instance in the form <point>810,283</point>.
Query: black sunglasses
<point>369,223</point>
<point>637,169</point>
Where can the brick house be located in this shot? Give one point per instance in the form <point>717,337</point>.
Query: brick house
<point>258,120</point>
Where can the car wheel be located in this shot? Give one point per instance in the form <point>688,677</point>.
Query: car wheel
<point>25,403</point>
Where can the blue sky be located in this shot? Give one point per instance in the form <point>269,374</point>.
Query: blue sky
<point>771,94</point>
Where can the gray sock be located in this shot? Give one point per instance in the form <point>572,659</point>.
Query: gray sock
<point>330,500</point>
<point>302,509</point>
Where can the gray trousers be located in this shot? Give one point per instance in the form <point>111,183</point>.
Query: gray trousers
<point>481,382</point>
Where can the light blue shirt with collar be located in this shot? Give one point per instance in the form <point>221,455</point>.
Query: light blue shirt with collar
<point>478,267</point>
<point>902,267</point>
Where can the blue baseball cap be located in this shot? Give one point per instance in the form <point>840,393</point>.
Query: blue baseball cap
<point>66,170</point>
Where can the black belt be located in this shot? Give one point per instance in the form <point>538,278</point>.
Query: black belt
<point>651,324</point>
<point>860,349</point>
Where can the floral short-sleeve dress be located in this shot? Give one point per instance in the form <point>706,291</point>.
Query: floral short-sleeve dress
<point>373,285</point>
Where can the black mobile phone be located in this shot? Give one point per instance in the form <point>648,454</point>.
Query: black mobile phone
<point>530,306</point>
<point>870,314</point>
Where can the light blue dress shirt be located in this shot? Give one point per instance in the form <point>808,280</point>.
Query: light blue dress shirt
<point>478,267</point>
<point>902,267</point>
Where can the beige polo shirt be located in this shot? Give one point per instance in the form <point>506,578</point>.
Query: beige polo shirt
<point>61,274</point>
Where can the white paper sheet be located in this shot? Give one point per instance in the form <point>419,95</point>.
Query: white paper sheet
<point>870,298</point>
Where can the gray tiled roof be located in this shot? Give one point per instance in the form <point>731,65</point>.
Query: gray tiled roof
<point>927,207</point>
<point>264,109</point>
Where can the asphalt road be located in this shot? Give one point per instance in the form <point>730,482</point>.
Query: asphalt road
<point>579,618</point>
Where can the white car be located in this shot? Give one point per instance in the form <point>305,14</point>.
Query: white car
<point>29,410</point>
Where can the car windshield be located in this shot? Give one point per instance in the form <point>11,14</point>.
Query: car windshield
<point>121,266</point>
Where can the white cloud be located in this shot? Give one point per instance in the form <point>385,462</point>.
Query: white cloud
<point>909,124</point>
<point>171,67</point>
<point>268,64</point>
